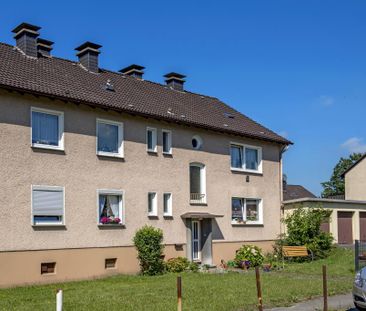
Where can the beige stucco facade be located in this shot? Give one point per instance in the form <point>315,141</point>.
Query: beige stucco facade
<point>355,182</point>
<point>81,172</point>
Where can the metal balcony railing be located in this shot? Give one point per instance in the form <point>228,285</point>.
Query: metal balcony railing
<point>198,198</point>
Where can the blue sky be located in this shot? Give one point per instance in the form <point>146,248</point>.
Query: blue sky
<point>298,67</point>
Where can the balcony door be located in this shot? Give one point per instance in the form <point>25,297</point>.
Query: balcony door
<point>197,174</point>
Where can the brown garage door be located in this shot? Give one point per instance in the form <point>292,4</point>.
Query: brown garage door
<point>325,227</point>
<point>363,226</point>
<point>345,228</point>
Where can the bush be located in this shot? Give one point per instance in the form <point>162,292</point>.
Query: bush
<point>193,266</point>
<point>178,264</point>
<point>148,241</point>
<point>250,253</point>
<point>303,228</point>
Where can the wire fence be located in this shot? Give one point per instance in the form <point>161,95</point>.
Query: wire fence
<point>360,254</point>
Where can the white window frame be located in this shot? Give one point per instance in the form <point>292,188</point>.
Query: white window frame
<point>202,182</point>
<point>120,153</point>
<point>154,211</point>
<point>170,204</point>
<point>121,210</point>
<point>60,115</point>
<point>47,188</point>
<point>244,210</point>
<point>243,168</point>
<point>154,139</point>
<point>169,141</point>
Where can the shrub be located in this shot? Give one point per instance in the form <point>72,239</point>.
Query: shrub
<point>232,264</point>
<point>193,266</point>
<point>148,241</point>
<point>303,228</point>
<point>250,253</point>
<point>178,264</point>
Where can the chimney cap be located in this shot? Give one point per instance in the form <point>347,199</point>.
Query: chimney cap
<point>26,26</point>
<point>88,45</point>
<point>132,67</point>
<point>174,75</point>
<point>45,42</point>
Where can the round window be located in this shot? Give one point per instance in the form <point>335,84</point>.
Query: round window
<point>196,142</point>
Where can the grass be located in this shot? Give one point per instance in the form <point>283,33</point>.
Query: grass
<point>214,292</point>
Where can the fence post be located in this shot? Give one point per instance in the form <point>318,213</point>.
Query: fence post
<point>179,292</point>
<point>325,288</point>
<point>259,289</point>
<point>59,300</point>
<point>357,254</point>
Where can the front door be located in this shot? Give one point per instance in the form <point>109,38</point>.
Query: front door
<point>196,240</point>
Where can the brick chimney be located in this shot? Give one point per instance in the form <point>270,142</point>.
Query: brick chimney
<point>134,70</point>
<point>26,38</point>
<point>44,47</point>
<point>175,80</point>
<point>88,55</point>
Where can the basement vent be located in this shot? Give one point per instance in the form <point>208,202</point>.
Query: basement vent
<point>110,263</point>
<point>48,267</point>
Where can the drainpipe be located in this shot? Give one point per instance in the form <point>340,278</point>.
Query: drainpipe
<point>283,149</point>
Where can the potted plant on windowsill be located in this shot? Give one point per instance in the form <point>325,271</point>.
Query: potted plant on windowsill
<point>110,220</point>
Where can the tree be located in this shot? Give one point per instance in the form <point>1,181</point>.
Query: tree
<point>335,186</point>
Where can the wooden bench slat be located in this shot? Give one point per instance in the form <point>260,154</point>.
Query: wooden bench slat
<point>295,251</point>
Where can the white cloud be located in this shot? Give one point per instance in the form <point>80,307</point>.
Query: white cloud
<point>354,144</point>
<point>326,101</point>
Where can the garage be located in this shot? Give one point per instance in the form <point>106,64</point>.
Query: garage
<point>345,228</point>
<point>363,226</point>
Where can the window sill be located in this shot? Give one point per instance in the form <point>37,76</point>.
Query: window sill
<point>239,170</point>
<point>169,154</point>
<point>153,216</point>
<point>110,155</point>
<point>152,151</point>
<point>111,226</point>
<point>197,203</point>
<point>168,216</point>
<point>247,224</point>
<point>47,147</point>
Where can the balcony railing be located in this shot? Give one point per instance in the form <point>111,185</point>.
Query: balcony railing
<point>198,198</point>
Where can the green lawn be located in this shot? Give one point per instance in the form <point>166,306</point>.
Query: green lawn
<point>230,291</point>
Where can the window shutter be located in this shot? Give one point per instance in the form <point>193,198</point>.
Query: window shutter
<point>48,202</point>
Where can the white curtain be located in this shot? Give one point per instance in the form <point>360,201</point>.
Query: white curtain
<point>114,202</point>
<point>102,199</point>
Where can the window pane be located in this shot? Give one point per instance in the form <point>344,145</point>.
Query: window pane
<point>48,202</point>
<point>151,197</point>
<point>252,210</point>
<point>236,157</point>
<point>150,140</point>
<point>195,179</point>
<point>45,128</point>
<point>166,144</point>
<point>166,203</point>
<point>236,209</point>
<point>47,219</point>
<point>109,207</point>
<point>251,159</point>
<point>107,137</point>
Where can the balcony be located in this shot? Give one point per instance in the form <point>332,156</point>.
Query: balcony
<point>198,198</point>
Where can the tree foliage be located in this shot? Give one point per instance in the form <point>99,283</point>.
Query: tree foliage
<point>335,186</point>
<point>303,228</point>
<point>148,241</point>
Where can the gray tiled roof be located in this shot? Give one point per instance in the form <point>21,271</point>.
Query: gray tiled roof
<point>68,80</point>
<point>292,192</point>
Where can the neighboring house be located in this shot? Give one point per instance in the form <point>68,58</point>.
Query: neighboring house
<point>293,192</point>
<point>355,180</point>
<point>348,218</point>
<point>89,156</point>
